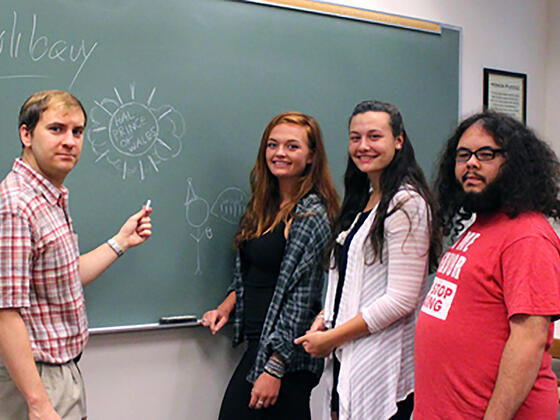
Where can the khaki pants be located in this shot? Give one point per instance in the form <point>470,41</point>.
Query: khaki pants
<point>64,385</point>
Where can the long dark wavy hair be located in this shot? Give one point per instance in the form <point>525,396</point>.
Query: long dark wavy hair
<point>263,211</point>
<point>528,179</point>
<point>403,170</point>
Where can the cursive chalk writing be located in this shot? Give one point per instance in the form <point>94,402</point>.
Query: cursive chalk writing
<point>41,48</point>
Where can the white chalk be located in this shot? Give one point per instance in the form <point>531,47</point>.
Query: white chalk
<point>148,204</point>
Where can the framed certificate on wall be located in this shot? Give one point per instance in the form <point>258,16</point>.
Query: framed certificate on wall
<point>506,92</point>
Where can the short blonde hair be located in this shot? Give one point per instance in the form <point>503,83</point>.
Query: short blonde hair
<point>39,102</point>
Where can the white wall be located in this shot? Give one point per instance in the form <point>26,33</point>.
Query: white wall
<point>503,34</point>
<point>552,95</point>
<point>552,98</point>
<point>181,374</point>
<point>157,375</point>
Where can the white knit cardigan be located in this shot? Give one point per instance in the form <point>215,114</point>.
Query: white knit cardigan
<point>377,371</point>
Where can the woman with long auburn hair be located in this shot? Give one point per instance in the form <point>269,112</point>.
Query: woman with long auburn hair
<point>385,244</point>
<point>278,278</point>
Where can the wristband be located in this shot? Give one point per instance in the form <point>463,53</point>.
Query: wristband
<point>115,247</point>
<point>272,372</point>
<point>275,367</point>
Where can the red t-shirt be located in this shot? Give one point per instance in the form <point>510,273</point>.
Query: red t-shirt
<point>498,268</point>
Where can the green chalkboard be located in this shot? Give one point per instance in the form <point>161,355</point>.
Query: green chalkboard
<point>178,93</point>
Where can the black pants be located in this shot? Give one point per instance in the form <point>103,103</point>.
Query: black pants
<point>404,408</point>
<point>292,402</point>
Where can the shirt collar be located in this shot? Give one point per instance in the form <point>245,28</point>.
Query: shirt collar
<point>39,183</point>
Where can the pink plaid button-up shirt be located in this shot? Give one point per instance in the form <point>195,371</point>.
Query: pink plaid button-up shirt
<point>39,264</point>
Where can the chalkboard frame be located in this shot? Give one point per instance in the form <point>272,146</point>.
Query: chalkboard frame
<point>173,76</point>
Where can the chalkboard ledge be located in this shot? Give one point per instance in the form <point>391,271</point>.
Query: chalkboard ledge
<point>140,327</point>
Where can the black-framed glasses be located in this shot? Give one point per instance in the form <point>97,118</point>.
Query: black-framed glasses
<point>483,154</point>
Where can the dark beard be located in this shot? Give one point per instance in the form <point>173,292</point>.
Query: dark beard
<point>487,201</point>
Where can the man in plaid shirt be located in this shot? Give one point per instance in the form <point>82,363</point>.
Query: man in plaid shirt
<point>43,325</point>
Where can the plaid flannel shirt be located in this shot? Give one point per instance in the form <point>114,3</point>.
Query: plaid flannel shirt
<point>297,295</point>
<point>39,264</point>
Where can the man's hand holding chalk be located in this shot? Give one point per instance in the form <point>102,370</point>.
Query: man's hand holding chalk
<point>136,230</point>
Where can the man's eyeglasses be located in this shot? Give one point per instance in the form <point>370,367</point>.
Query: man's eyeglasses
<point>483,154</point>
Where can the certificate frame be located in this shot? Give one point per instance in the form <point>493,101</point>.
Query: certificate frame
<point>506,92</point>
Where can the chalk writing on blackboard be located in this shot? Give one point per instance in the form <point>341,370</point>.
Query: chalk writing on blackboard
<point>227,207</point>
<point>134,136</point>
<point>21,40</point>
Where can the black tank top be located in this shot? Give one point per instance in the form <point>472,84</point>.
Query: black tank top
<point>260,261</point>
<point>344,262</point>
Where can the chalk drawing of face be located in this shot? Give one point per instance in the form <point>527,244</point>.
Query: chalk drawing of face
<point>196,208</point>
<point>230,205</point>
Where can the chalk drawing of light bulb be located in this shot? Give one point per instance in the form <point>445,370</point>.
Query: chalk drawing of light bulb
<point>134,136</point>
<point>197,211</point>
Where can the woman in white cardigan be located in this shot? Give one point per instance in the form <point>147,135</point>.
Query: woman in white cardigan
<point>386,242</point>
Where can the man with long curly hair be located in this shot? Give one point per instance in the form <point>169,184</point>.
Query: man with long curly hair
<point>485,326</point>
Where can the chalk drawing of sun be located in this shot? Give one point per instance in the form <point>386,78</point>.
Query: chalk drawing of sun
<point>134,136</point>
